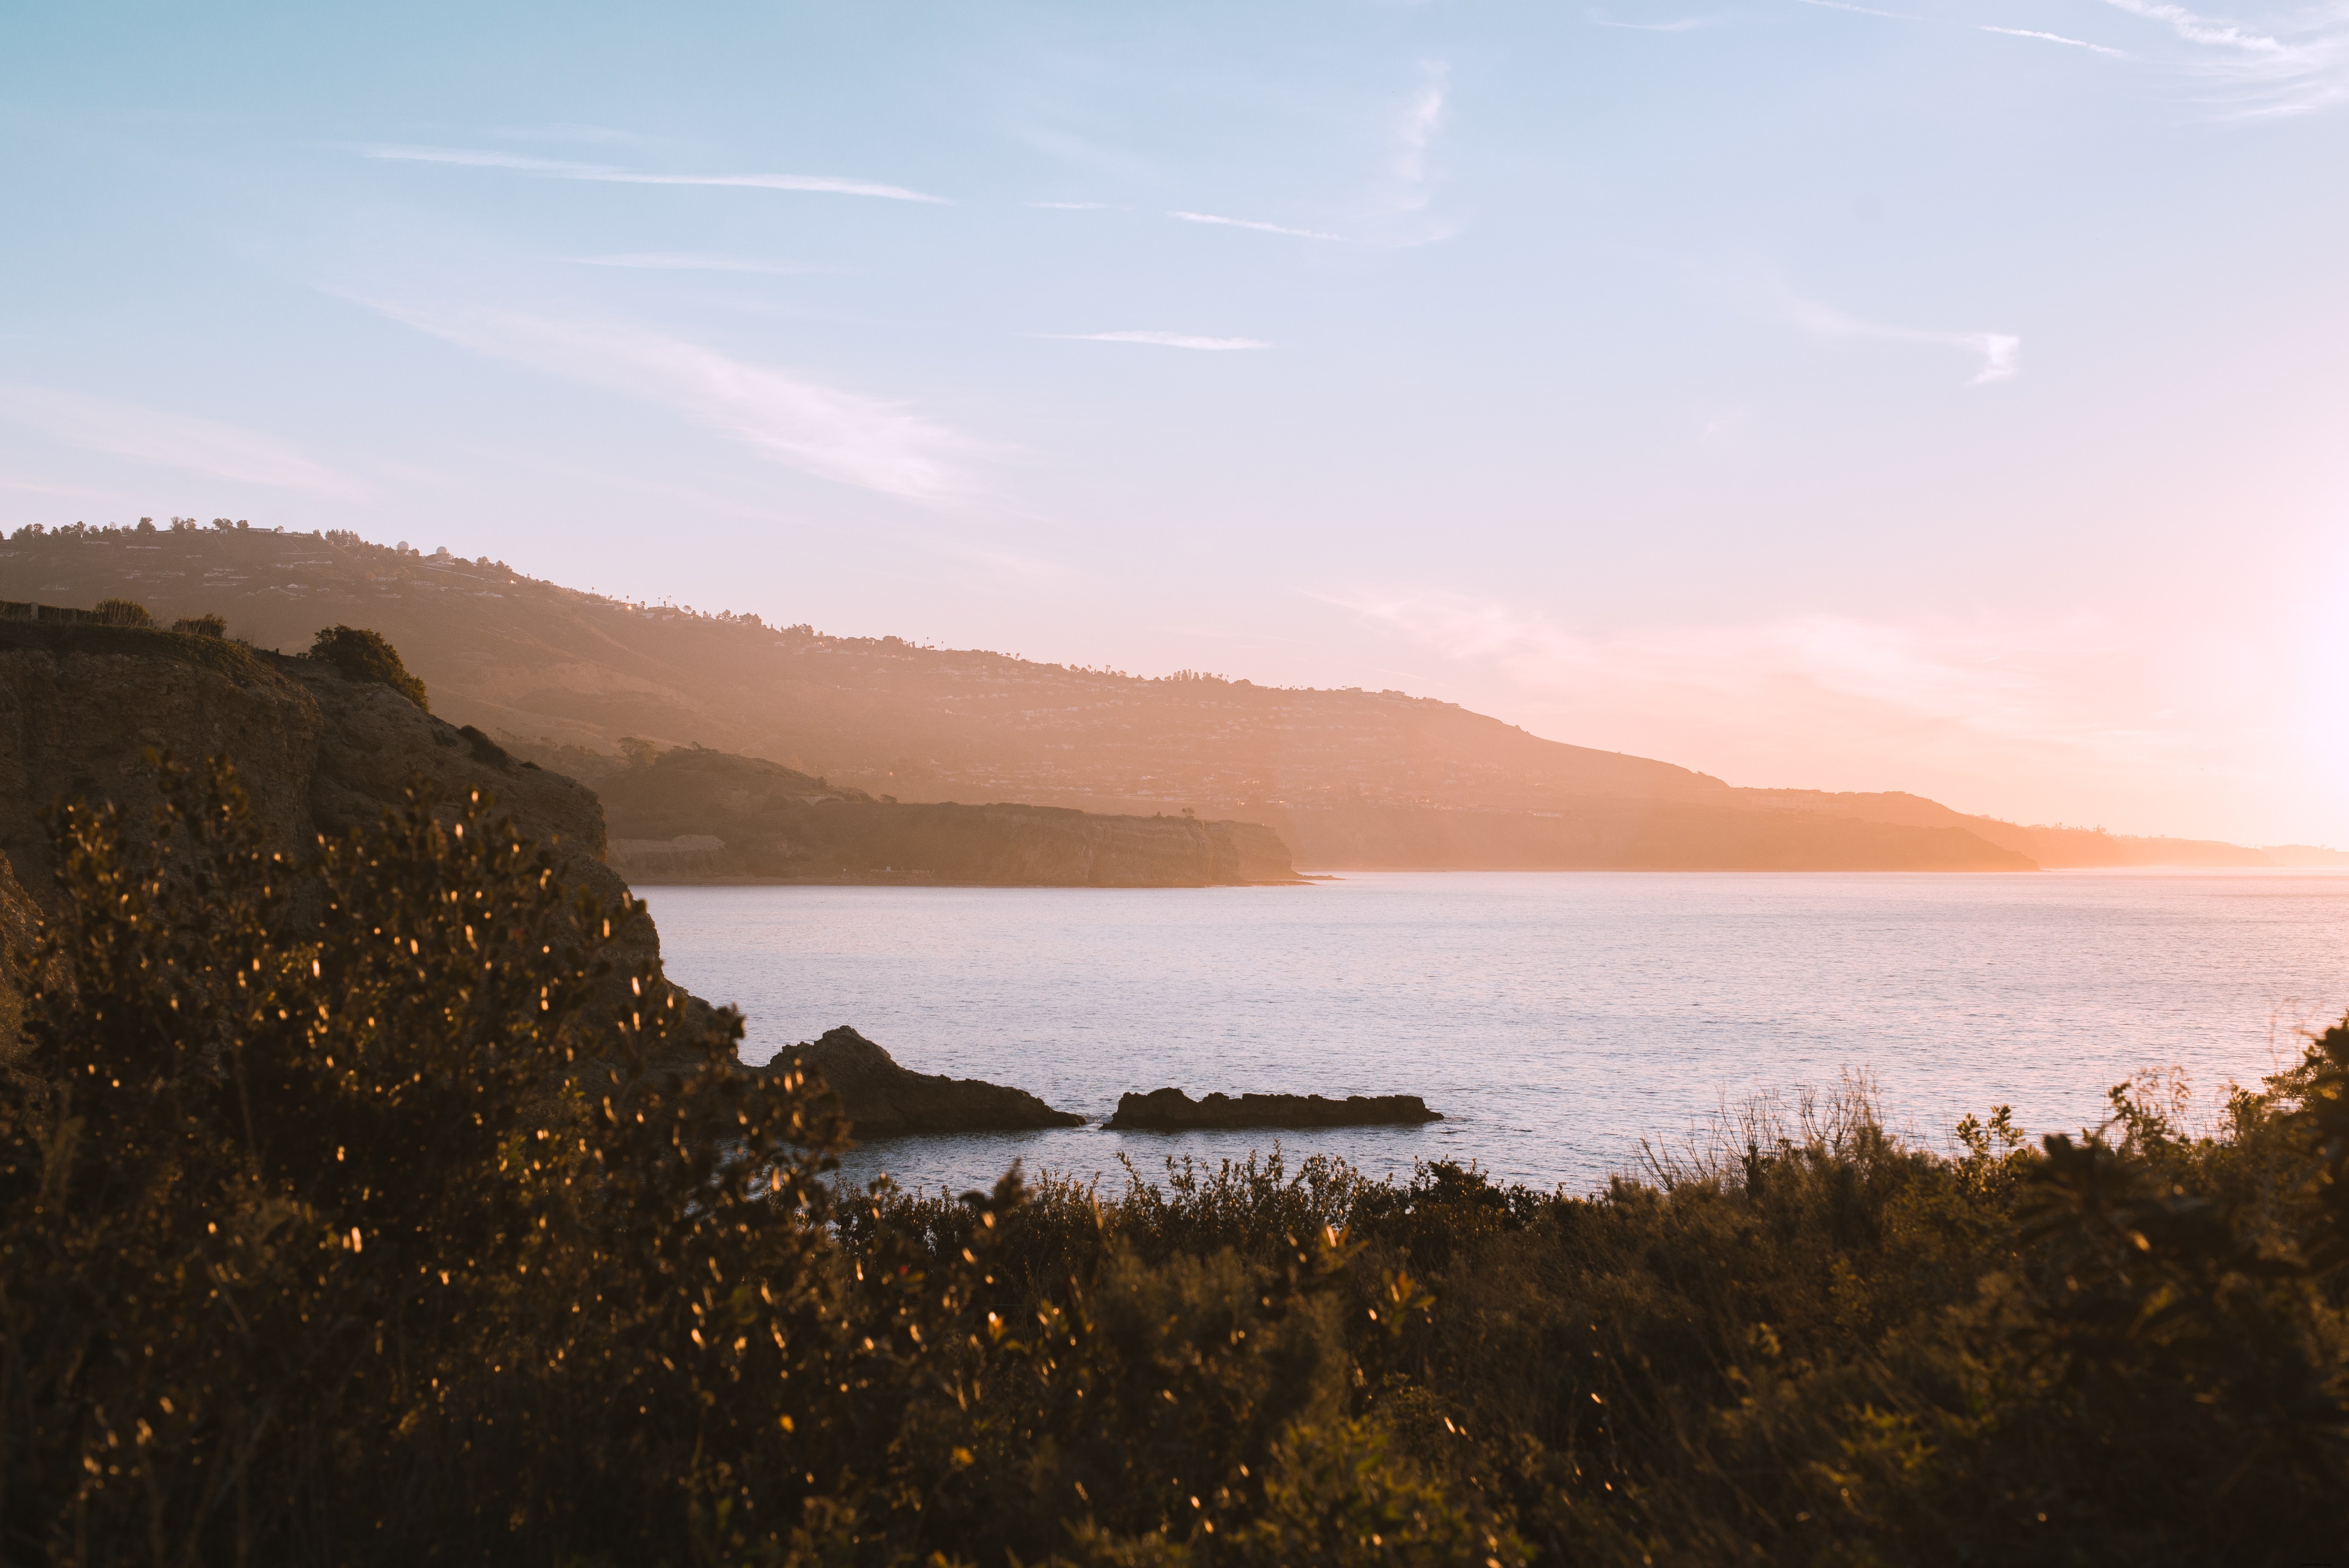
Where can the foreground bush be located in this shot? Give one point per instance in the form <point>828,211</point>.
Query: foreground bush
<point>341,1222</point>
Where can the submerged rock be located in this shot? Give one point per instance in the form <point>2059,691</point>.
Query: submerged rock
<point>881,1098</point>
<point>1172,1110</point>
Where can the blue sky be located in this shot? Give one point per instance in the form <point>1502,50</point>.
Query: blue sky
<point>1948,397</point>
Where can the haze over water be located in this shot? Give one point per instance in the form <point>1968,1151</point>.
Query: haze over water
<point>1555,1020</point>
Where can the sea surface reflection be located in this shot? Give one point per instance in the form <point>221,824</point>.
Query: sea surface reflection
<point>1555,1019</point>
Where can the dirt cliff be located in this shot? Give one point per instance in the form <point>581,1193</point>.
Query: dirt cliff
<point>319,753</point>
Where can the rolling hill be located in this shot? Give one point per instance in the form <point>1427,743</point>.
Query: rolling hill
<point>1349,777</point>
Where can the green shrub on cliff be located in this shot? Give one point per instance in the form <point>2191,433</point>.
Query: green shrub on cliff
<point>365,655</point>
<point>345,1218</point>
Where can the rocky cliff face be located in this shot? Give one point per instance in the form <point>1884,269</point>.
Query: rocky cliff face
<point>319,753</point>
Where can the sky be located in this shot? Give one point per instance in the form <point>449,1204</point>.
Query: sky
<point>1950,397</point>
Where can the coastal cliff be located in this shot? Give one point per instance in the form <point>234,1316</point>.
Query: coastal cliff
<point>317,752</point>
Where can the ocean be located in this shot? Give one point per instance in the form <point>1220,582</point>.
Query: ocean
<point>1560,1022</point>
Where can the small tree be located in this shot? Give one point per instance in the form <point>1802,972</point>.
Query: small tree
<point>363,656</point>
<point>640,752</point>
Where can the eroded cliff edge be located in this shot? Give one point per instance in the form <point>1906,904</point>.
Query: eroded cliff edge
<point>316,751</point>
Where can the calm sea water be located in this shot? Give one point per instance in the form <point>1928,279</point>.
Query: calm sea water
<point>1555,1019</point>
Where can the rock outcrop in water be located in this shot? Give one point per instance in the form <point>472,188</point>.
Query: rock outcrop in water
<point>881,1098</point>
<point>701,816</point>
<point>1172,1110</point>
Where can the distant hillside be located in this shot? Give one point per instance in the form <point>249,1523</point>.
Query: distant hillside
<point>2051,847</point>
<point>1625,833</point>
<point>504,651</point>
<point>709,816</point>
<point>1351,778</point>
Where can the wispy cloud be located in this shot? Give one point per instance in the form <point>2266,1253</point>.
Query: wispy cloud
<point>2055,38</point>
<point>2000,351</point>
<point>850,438</point>
<point>2294,70</point>
<point>166,439</point>
<point>573,135</point>
<point>1681,25</point>
<point>558,169</point>
<point>1163,340</point>
<point>1862,10</point>
<point>1252,224</point>
<point>685,262</point>
<point>1422,119</point>
<point>64,492</point>
<point>2197,29</point>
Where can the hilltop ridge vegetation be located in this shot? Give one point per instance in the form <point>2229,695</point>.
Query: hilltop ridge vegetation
<point>1348,778</point>
<point>691,814</point>
<point>349,1214</point>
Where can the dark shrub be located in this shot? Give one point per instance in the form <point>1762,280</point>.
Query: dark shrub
<point>207,626</point>
<point>123,612</point>
<point>365,655</point>
<point>340,1222</point>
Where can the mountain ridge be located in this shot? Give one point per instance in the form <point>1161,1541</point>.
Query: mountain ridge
<point>1350,778</point>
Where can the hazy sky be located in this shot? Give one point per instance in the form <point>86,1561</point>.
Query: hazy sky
<point>1950,397</point>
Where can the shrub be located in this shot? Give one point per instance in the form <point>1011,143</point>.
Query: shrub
<point>365,655</point>
<point>205,626</point>
<point>355,1210</point>
<point>123,612</point>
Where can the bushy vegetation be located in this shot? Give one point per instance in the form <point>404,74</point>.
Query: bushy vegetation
<point>196,644</point>
<point>363,656</point>
<point>340,1222</point>
<point>123,612</point>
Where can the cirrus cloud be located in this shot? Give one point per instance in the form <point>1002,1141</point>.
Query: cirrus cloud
<point>1163,340</point>
<point>1252,224</point>
<point>165,438</point>
<point>849,437</point>
<point>601,173</point>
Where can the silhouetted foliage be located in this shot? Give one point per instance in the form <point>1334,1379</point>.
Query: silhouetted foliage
<point>363,656</point>
<point>340,1223</point>
<point>123,612</point>
<point>206,625</point>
